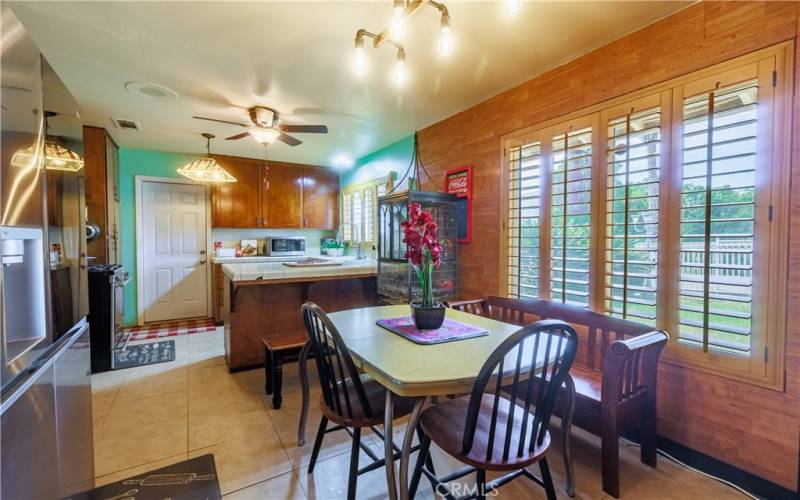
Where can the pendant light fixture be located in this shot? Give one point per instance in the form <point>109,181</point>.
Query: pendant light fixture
<point>206,169</point>
<point>57,156</point>
<point>394,34</point>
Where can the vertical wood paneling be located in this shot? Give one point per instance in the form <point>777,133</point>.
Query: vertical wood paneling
<point>747,426</point>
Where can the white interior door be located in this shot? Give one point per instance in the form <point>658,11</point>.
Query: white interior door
<point>173,251</point>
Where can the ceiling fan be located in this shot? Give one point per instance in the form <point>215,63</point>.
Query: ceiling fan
<point>265,127</point>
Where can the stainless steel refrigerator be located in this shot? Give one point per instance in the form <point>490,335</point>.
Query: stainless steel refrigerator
<point>45,390</point>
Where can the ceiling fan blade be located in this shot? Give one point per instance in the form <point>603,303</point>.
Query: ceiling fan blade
<point>304,129</point>
<point>220,121</point>
<point>288,139</point>
<point>237,136</point>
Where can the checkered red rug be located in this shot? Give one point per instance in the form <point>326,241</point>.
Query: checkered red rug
<point>171,328</point>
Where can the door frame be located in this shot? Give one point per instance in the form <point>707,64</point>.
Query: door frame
<point>139,181</point>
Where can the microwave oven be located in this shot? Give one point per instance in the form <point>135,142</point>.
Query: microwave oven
<point>279,247</point>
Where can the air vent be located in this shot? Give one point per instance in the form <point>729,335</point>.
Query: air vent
<point>126,124</point>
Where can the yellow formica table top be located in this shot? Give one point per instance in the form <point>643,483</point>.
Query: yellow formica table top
<point>410,369</point>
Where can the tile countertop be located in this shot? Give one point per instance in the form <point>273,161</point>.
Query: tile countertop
<point>267,258</point>
<point>271,270</point>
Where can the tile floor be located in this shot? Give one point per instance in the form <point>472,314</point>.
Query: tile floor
<point>149,417</point>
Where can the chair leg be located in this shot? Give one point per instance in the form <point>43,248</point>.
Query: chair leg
<point>422,457</point>
<point>649,434</point>
<point>566,433</point>
<point>353,476</point>
<point>301,424</point>
<point>547,479</point>
<point>480,484</point>
<point>323,423</point>
<point>609,443</point>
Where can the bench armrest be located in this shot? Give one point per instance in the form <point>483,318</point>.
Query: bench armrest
<point>630,366</point>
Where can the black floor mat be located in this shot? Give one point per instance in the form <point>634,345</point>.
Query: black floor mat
<point>193,479</point>
<point>145,354</point>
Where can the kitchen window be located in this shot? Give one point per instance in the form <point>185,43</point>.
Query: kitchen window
<point>667,207</point>
<point>360,210</point>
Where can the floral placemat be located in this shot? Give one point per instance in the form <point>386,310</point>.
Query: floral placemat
<point>450,330</point>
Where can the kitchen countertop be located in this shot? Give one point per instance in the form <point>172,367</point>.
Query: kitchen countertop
<point>272,270</point>
<point>267,258</point>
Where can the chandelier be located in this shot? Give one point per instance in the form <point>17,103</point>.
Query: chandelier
<point>395,34</point>
<point>206,169</point>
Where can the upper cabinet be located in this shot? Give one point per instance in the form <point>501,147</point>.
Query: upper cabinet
<point>275,195</point>
<point>320,198</point>
<point>283,195</point>
<point>238,204</point>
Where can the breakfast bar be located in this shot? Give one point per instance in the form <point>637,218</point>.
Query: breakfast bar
<point>261,301</point>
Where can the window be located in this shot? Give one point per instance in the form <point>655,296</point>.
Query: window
<point>633,164</point>
<point>570,233</point>
<point>525,170</point>
<point>668,207</point>
<point>359,210</point>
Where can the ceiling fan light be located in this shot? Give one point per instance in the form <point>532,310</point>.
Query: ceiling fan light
<point>57,157</point>
<point>265,135</point>
<point>360,61</point>
<point>206,170</point>
<point>512,7</point>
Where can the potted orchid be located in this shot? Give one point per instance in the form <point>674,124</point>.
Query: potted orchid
<point>421,235</point>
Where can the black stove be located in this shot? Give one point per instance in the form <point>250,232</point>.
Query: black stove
<point>106,301</point>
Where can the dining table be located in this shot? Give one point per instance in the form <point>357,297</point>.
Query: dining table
<point>421,371</point>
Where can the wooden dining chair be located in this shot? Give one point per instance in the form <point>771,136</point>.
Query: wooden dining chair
<point>517,312</point>
<point>488,431</point>
<point>350,401</point>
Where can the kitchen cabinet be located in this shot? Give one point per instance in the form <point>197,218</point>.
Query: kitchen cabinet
<point>101,171</point>
<point>238,204</point>
<point>320,198</point>
<point>276,195</point>
<point>283,197</point>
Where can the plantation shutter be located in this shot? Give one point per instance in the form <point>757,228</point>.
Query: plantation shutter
<point>347,216</point>
<point>524,212</point>
<point>725,204</point>
<point>633,162</point>
<point>570,216</point>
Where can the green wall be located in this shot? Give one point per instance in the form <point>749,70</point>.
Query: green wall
<point>393,158</point>
<point>133,162</point>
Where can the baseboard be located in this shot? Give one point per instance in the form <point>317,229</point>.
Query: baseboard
<point>756,485</point>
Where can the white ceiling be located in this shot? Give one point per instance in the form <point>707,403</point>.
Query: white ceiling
<point>222,57</point>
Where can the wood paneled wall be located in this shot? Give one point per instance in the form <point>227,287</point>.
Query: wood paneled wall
<point>750,427</point>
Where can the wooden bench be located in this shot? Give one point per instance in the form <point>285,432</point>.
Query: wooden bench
<point>275,348</point>
<point>614,375</point>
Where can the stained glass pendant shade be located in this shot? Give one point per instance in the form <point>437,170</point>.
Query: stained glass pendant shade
<point>206,169</point>
<point>58,157</point>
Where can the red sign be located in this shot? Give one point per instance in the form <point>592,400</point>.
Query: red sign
<point>459,182</point>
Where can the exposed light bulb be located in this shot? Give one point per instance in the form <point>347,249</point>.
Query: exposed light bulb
<point>512,7</point>
<point>400,74</point>
<point>445,38</point>
<point>398,31</point>
<point>360,61</point>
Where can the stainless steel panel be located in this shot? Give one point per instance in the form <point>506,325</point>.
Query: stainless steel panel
<point>73,393</point>
<point>28,435</point>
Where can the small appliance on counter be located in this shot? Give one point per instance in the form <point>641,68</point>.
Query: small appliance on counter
<point>283,247</point>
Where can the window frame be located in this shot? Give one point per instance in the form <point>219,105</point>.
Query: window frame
<point>770,331</point>
<point>367,188</point>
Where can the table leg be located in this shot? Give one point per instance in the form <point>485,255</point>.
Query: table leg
<point>301,362</point>
<point>388,418</point>
<point>408,440</point>
<point>566,431</point>
<point>277,379</point>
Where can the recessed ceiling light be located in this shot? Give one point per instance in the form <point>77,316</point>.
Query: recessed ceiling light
<point>342,161</point>
<point>150,90</point>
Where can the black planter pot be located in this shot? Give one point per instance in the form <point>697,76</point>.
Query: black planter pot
<point>428,318</point>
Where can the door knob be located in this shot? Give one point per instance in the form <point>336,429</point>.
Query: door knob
<point>202,261</point>
<point>202,252</point>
